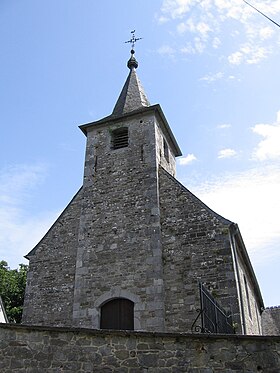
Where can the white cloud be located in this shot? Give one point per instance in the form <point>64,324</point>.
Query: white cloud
<point>213,77</point>
<point>251,199</point>
<point>269,147</point>
<point>235,58</point>
<point>226,153</point>
<point>176,8</point>
<point>257,54</point>
<point>249,54</point>
<point>253,37</point>
<point>224,125</point>
<point>202,28</point>
<point>216,42</point>
<point>187,159</point>
<point>266,33</point>
<point>162,19</point>
<point>197,46</point>
<point>166,49</point>
<point>19,232</point>
<point>182,27</point>
<point>234,9</point>
<point>16,180</point>
<point>188,49</point>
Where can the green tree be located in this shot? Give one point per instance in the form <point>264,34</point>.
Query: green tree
<point>12,288</point>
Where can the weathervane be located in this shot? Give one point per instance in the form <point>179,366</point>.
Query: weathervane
<point>133,40</point>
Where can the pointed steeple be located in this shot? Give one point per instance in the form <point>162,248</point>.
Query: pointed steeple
<point>132,96</point>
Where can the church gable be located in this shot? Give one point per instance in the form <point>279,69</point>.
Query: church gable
<point>68,219</point>
<point>50,280</point>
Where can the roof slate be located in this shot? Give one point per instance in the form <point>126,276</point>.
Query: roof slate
<point>132,96</point>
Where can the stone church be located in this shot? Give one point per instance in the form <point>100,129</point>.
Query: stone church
<point>134,246</point>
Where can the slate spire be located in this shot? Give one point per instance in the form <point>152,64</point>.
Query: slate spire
<point>132,96</point>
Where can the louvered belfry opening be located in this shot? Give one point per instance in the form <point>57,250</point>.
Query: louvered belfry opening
<point>117,314</point>
<point>120,138</point>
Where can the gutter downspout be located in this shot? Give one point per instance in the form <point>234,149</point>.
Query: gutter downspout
<point>234,251</point>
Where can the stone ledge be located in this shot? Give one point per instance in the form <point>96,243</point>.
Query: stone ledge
<point>135,333</point>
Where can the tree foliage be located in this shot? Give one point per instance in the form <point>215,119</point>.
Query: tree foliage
<point>12,288</point>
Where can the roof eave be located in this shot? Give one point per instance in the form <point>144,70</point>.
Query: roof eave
<point>153,108</point>
<point>244,254</point>
<point>167,131</point>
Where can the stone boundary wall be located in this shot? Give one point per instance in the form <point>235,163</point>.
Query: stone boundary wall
<point>54,350</point>
<point>271,321</point>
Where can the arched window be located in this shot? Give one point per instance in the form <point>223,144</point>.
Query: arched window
<point>117,314</point>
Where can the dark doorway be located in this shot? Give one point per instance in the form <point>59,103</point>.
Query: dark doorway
<point>117,314</point>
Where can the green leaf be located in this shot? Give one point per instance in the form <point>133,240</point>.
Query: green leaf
<point>12,288</point>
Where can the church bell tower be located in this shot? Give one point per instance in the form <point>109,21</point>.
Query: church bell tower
<point>119,244</point>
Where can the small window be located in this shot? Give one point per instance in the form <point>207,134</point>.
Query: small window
<point>120,138</point>
<point>117,314</point>
<point>165,150</point>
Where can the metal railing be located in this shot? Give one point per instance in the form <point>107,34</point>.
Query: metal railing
<point>214,319</point>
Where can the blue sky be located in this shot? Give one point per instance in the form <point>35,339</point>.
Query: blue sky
<point>213,66</point>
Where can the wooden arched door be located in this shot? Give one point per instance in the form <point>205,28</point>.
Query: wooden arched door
<point>117,314</point>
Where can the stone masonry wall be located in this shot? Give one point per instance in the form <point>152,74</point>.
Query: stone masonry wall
<point>50,280</point>
<point>195,249</point>
<point>169,163</point>
<point>119,253</point>
<point>271,321</point>
<point>27,349</point>
<point>252,314</point>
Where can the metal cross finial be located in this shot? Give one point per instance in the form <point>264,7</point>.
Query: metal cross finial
<point>133,40</point>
